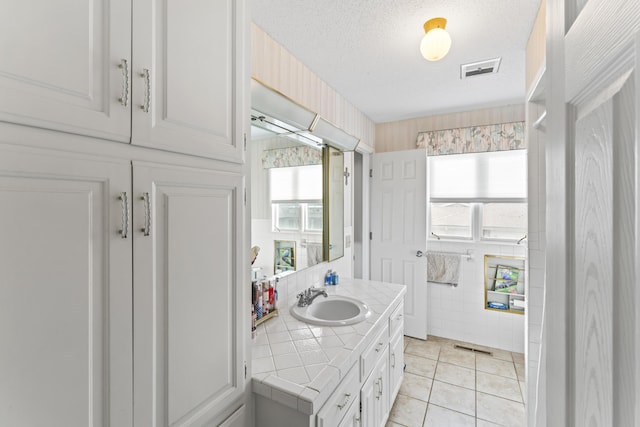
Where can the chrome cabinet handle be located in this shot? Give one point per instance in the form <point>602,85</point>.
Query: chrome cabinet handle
<point>146,230</point>
<point>378,389</point>
<point>419,254</point>
<point>381,385</point>
<point>146,75</point>
<point>124,99</point>
<point>124,232</point>
<point>347,398</point>
<point>379,347</point>
<point>393,358</point>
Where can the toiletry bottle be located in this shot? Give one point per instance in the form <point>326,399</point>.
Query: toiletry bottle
<point>335,278</point>
<point>327,278</point>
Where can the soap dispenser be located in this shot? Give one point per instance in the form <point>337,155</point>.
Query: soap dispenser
<point>328,278</point>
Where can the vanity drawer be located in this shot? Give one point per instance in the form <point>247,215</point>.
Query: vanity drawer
<point>340,401</point>
<point>396,320</point>
<point>370,356</point>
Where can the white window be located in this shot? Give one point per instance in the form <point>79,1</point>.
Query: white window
<point>296,198</point>
<point>478,196</point>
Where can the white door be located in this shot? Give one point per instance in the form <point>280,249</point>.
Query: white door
<point>593,255</point>
<point>398,226</point>
<point>65,291</point>
<point>189,305</point>
<point>189,76</point>
<point>60,65</point>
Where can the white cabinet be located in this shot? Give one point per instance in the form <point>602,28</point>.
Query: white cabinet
<point>188,310</point>
<point>187,73</point>
<point>374,395</point>
<point>396,366</point>
<point>70,67</point>
<point>65,293</point>
<point>110,297</point>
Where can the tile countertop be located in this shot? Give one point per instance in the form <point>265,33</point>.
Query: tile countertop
<point>299,365</point>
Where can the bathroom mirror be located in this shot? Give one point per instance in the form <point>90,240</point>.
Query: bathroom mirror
<point>297,184</point>
<point>286,203</point>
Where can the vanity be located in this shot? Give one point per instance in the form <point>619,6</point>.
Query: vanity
<point>326,376</point>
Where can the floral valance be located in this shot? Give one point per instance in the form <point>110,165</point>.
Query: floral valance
<point>473,139</point>
<point>291,156</point>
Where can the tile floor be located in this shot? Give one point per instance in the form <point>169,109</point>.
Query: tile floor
<point>448,387</point>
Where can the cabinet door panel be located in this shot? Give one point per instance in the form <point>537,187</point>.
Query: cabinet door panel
<point>59,67</point>
<point>65,305</point>
<point>193,51</point>
<point>188,313</point>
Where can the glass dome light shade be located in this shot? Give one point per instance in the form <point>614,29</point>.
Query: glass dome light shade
<point>436,42</point>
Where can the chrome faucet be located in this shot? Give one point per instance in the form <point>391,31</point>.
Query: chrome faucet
<point>306,298</point>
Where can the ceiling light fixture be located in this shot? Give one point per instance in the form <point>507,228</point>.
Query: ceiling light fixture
<point>436,42</point>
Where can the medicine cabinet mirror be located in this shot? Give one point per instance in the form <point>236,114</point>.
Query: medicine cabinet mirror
<point>297,183</point>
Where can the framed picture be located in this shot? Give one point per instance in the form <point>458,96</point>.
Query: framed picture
<point>506,279</point>
<point>284,256</point>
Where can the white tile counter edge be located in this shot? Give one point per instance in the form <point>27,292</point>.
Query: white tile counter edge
<point>308,397</point>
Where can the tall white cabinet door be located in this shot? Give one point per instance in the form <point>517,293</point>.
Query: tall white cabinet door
<point>59,66</point>
<point>189,76</point>
<point>65,291</point>
<point>592,291</point>
<point>188,305</point>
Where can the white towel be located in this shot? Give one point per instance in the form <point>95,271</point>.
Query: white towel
<point>443,268</point>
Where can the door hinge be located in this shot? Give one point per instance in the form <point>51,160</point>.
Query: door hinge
<point>245,142</point>
<point>245,196</point>
<point>371,235</point>
<point>370,173</point>
<point>245,370</point>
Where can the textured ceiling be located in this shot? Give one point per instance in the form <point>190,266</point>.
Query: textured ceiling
<point>368,50</point>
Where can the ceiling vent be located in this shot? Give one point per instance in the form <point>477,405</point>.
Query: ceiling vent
<point>489,66</point>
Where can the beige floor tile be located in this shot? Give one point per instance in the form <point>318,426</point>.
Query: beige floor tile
<point>496,353</point>
<point>500,411</point>
<point>441,417</point>
<point>496,366</point>
<point>419,365</point>
<point>520,372</point>
<point>464,358</point>
<point>392,424</point>
<point>416,386</point>
<point>407,411</point>
<point>483,423</point>
<point>523,390</point>
<point>456,375</point>
<point>518,358</point>
<point>444,342</point>
<point>428,349</point>
<point>498,386</point>
<point>453,397</point>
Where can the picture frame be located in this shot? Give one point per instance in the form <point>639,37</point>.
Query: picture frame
<point>284,256</point>
<point>506,279</point>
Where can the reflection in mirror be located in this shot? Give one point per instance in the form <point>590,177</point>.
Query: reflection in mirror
<point>334,203</point>
<point>286,203</point>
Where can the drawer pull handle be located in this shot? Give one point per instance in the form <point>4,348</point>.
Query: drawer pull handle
<point>146,230</point>
<point>379,347</point>
<point>347,398</point>
<point>146,75</point>
<point>393,360</point>
<point>124,231</point>
<point>124,99</point>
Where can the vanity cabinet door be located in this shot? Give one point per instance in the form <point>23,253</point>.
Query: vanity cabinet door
<point>189,74</point>
<point>66,65</point>
<point>65,310</point>
<point>374,394</point>
<point>396,366</point>
<point>188,306</point>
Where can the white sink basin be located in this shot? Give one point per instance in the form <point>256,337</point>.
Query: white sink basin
<point>333,310</point>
